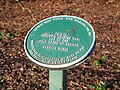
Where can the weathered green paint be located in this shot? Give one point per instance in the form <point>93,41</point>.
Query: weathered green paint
<point>59,42</point>
<point>57,79</point>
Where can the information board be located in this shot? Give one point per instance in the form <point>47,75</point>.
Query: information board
<point>60,42</point>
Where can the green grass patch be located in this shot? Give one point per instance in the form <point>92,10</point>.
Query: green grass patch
<point>100,61</point>
<point>99,86</point>
<point>8,35</point>
<point>96,63</point>
<point>104,58</point>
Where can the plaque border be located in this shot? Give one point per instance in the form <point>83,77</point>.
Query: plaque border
<point>61,66</point>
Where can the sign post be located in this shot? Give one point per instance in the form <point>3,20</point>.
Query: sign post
<point>58,79</point>
<point>58,43</point>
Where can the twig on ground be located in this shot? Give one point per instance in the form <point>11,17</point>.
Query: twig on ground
<point>25,8</point>
<point>75,83</point>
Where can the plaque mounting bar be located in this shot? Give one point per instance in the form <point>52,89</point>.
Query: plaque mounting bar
<point>57,79</point>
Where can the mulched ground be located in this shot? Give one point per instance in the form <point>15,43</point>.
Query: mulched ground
<point>102,70</point>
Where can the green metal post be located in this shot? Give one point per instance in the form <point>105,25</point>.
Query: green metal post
<point>57,79</point>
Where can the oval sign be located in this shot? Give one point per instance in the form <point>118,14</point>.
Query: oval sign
<point>60,42</point>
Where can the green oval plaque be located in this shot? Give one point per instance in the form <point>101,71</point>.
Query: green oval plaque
<point>59,42</point>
